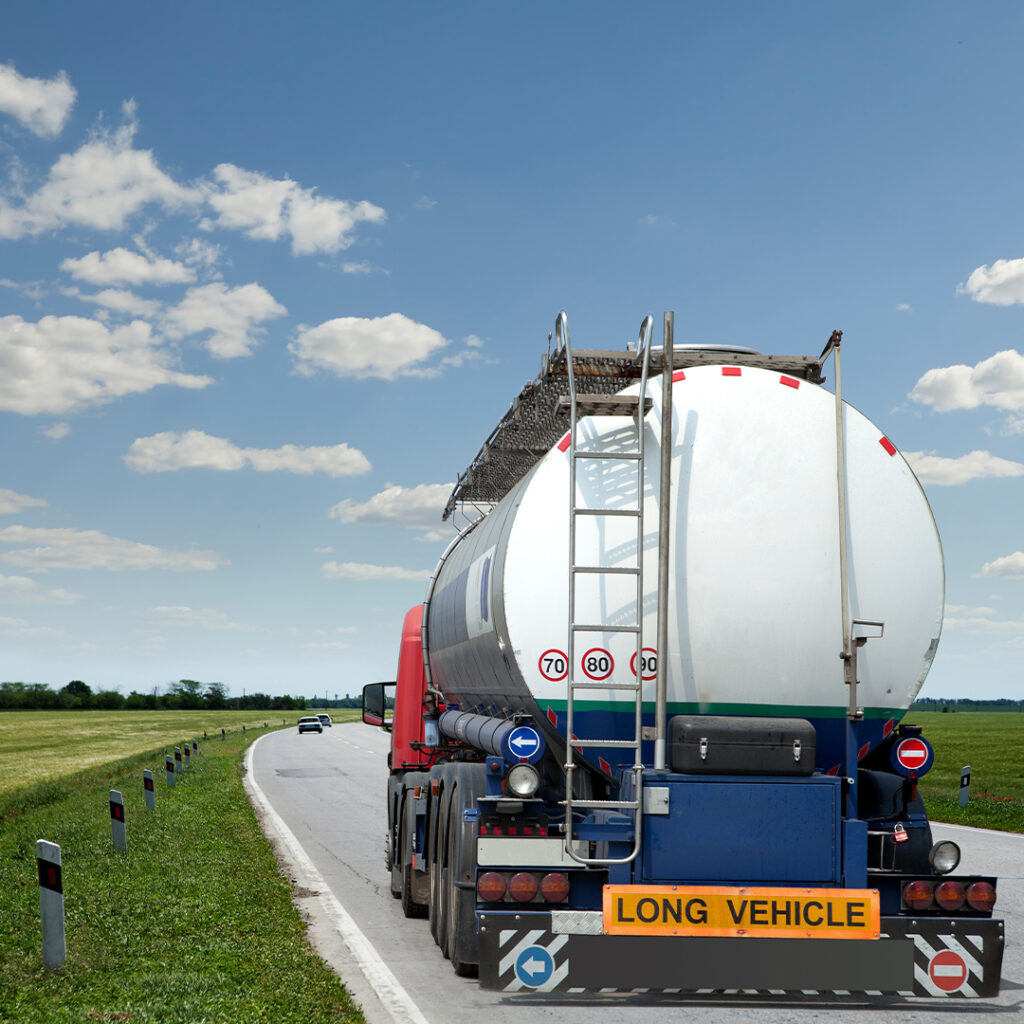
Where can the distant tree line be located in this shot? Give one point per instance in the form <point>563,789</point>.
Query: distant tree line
<point>967,704</point>
<point>183,695</point>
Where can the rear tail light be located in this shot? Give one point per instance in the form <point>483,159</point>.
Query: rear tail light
<point>554,887</point>
<point>490,886</point>
<point>918,895</point>
<point>981,896</point>
<point>522,886</point>
<point>950,895</point>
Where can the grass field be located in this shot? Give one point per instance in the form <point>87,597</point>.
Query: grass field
<point>193,924</point>
<point>39,745</point>
<point>992,743</point>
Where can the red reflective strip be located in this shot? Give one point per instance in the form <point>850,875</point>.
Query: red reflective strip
<point>789,381</point>
<point>678,376</point>
<point>552,718</point>
<point>863,750</point>
<point>564,443</point>
<point>887,445</point>
<point>834,770</point>
<point>731,371</point>
<point>605,766</point>
<point>887,728</point>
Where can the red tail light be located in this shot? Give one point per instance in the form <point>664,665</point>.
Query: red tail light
<point>490,886</point>
<point>522,887</point>
<point>918,895</point>
<point>950,895</point>
<point>981,896</point>
<point>554,887</point>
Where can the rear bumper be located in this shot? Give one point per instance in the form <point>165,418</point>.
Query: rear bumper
<point>565,951</point>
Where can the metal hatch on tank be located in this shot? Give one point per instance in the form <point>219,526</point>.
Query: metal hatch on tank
<point>754,579</point>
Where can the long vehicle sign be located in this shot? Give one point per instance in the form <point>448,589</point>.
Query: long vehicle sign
<point>761,911</point>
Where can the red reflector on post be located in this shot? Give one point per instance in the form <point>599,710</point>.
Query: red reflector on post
<point>490,886</point>
<point>981,896</point>
<point>918,895</point>
<point>523,886</point>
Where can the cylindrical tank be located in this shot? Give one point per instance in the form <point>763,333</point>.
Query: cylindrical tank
<point>755,623</point>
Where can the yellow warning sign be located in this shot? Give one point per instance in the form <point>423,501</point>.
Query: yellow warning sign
<point>761,911</point>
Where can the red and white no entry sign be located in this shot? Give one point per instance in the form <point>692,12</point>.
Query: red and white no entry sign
<point>912,753</point>
<point>947,970</point>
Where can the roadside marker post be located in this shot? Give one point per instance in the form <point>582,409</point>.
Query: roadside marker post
<point>147,787</point>
<point>188,755</point>
<point>51,904</point>
<point>117,824</point>
<point>169,765</point>
<point>243,728</point>
<point>965,785</point>
<point>195,746</point>
<point>177,761</point>
<point>222,735</point>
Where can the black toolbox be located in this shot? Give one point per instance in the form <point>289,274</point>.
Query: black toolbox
<point>728,745</point>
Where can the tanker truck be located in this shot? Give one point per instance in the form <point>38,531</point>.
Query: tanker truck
<point>647,730</point>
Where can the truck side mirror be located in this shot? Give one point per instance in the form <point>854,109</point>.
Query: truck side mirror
<point>378,703</point>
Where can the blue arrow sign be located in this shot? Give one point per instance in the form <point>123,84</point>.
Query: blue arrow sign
<point>523,743</point>
<point>534,966</point>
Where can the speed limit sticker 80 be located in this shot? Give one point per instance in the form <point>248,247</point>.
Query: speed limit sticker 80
<point>597,663</point>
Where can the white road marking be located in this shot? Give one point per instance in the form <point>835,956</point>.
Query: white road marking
<point>395,999</point>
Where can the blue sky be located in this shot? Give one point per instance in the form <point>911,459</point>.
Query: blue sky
<point>268,277</point>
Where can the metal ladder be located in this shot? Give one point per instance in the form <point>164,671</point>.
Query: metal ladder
<point>605,405</point>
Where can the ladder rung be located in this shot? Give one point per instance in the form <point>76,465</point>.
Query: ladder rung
<point>604,686</point>
<point>608,805</point>
<point>605,629</point>
<point>632,744</point>
<point>616,571</point>
<point>633,456</point>
<point>602,405</point>
<point>634,512</point>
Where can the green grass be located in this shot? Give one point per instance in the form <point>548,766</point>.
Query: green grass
<point>40,745</point>
<point>193,924</point>
<point>992,743</point>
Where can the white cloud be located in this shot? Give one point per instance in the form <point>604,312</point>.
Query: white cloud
<point>997,381</point>
<point>169,451</point>
<point>64,363</point>
<point>324,551</point>
<point>22,590</point>
<point>265,208</point>
<point>363,572</point>
<point>231,315</point>
<point>983,612</point>
<point>182,616</point>
<point>903,307</point>
<point>56,431</point>
<point>11,502</point>
<point>119,300</point>
<point>424,203</point>
<point>196,252</point>
<point>90,549</point>
<point>1002,284</point>
<point>360,267</point>
<point>416,508</point>
<point>121,266</point>
<point>1011,566</point>
<point>42,105</point>
<point>387,347</point>
<point>100,185</point>
<point>20,627</point>
<point>976,465</point>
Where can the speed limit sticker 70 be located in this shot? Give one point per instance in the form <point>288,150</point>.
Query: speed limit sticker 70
<point>597,663</point>
<point>553,665</point>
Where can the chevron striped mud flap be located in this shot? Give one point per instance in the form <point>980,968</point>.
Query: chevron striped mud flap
<point>567,952</point>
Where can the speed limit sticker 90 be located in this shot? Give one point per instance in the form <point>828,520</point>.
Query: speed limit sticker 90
<point>553,665</point>
<point>648,664</point>
<point>597,664</point>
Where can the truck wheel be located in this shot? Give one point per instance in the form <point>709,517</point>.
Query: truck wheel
<point>463,945</point>
<point>438,862</point>
<point>409,905</point>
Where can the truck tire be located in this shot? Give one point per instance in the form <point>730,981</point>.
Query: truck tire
<point>438,862</point>
<point>463,942</point>
<point>409,905</point>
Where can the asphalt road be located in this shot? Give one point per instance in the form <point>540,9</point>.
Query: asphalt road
<point>326,816</point>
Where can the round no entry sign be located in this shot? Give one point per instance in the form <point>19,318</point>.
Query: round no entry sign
<point>947,970</point>
<point>912,754</point>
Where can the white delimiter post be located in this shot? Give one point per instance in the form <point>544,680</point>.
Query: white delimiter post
<point>188,755</point>
<point>177,760</point>
<point>117,821</point>
<point>147,786</point>
<point>169,765</point>
<point>51,904</point>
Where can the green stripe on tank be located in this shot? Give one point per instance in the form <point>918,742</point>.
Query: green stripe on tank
<point>698,708</point>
